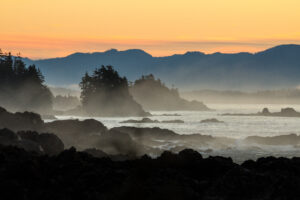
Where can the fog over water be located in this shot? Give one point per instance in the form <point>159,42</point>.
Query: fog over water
<point>231,136</point>
<point>234,126</point>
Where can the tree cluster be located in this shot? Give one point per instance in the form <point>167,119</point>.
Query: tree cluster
<point>152,94</point>
<point>22,88</point>
<point>105,93</point>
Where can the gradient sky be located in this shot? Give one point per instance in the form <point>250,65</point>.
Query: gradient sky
<point>54,28</point>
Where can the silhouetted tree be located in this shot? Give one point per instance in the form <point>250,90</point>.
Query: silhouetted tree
<point>106,93</point>
<point>22,88</point>
<point>153,94</point>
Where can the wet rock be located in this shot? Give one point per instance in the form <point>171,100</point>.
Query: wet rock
<point>285,112</point>
<point>144,120</point>
<point>48,117</point>
<point>212,120</point>
<point>20,121</point>
<point>78,175</point>
<point>82,134</point>
<point>96,153</point>
<point>148,120</point>
<point>176,121</point>
<point>50,143</point>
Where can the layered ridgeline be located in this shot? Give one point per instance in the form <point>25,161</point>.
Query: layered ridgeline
<point>22,88</point>
<point>276,67</point>
<point>152,94</point>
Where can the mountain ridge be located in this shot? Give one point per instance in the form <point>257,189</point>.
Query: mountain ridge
<point>278,66</point>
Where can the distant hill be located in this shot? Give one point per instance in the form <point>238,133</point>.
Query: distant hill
<point>275,67</point>
<point>283,96</point>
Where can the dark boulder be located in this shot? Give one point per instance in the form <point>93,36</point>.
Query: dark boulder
<point>20,121</point>
<point>50,143</point>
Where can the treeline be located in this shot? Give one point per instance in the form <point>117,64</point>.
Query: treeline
<point>103,93</point>
<point>22,88</point>
<point>106,93</point>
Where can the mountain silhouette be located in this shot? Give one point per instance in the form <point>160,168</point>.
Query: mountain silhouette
<point>277,67</point>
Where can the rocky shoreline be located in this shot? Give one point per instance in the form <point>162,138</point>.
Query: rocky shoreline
<point>186,175</point>
<point>38,161</point>
<point>27,130</point>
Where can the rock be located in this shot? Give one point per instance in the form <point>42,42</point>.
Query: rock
<point>82,134</point>
<point>265,111</point>
<point>213,120</point>
<point>114,142</point>
<point>152,94</point>
<point>176,121</point>
<point>148,120</point>
<point>48,117</point>
<point>50,143</point>
<point>170,115</point>
<point>144,120</point>
<point>78,175</point>
<point>289,112</point>
<point>9,138</point>
<point>96,153</point>
<point>20,121</point>
<point>285,112</point>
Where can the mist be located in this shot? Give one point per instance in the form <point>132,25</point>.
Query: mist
<point>280,96</point>
<point>136,126</point>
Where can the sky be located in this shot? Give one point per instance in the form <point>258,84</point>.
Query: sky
<point>56,28</point>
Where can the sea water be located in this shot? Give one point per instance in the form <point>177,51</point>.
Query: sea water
<point>236,127</point>
<point>233,126</point>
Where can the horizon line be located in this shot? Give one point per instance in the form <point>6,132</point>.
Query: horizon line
<point>145,51</point>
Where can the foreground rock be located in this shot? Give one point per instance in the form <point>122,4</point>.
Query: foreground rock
<point>45,143</point>
<point>77,175</point>
<point>82,134</point>
<point>285,112</point>
<point>163,139</point>
<point>20,121</point>
<point>121,143</point>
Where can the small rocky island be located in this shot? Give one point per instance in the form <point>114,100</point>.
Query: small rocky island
<point>212,120</point>
<point>154,95</point>
<point>285,112</point>
<point>148,120</point>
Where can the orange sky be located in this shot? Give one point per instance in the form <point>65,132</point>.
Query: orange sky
<point>51,28</point>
